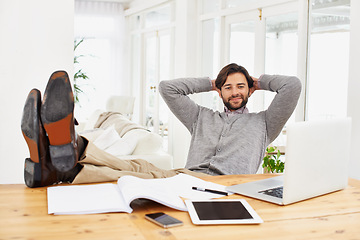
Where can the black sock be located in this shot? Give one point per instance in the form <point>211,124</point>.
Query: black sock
<point>70,175</point>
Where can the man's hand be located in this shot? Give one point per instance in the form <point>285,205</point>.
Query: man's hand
<point>256,85</point>
<point>213,85</point>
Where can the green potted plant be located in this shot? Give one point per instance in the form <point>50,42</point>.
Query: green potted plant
<point>79,74</point>
<point>272,162</point>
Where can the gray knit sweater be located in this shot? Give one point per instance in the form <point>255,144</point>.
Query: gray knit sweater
<point>230,145</point>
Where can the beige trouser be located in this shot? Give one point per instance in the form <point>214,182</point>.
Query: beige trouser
<point>100,166</point>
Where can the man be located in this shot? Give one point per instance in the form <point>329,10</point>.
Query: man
<point>59,154</point>
<point>233,141</point>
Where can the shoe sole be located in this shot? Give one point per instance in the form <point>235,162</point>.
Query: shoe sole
<point>30,130</point>
<point>57,117</point>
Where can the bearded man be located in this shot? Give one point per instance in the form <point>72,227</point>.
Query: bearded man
<point>233,141</point>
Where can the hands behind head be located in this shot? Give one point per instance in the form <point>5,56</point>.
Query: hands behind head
<point>256,85</point>
<point>213,85</point>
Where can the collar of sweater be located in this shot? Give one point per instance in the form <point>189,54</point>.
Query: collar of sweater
<point>241,110</point>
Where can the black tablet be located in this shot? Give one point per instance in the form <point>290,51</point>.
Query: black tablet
<point>222,211</point>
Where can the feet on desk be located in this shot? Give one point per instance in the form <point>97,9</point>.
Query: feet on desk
<point>57,115</point>
<point>49,131</point>
<point>38,170</point>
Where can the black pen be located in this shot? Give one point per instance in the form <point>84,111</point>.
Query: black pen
<point>209,190</point>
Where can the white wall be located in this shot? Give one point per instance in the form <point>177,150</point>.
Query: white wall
<point>354,88</point>
<point>36,40</point>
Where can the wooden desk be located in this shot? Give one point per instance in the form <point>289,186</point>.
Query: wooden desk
<point>23,214</point>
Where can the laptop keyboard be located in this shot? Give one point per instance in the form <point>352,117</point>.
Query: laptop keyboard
<point>275,192</point>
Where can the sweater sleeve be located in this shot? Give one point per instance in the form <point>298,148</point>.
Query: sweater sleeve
<point>175,94</point>
<point>288,92</point>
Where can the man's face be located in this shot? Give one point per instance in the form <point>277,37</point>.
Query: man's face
<point>235,92</point>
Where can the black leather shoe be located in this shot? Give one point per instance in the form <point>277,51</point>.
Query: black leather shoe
<point>57,115</point>
<point>38,170</point>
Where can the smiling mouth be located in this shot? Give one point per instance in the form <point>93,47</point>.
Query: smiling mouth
<point>236,99</point>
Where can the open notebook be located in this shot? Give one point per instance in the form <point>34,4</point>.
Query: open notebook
<point>109,197</point>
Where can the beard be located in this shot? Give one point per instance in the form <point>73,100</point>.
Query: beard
<point>233,107</point>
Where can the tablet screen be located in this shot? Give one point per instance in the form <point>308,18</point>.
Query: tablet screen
<point>222,211</point>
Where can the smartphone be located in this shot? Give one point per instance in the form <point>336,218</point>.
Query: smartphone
<point>163,220</point>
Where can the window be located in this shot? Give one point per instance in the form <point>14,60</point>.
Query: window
<point>210,64</point>
<point>328,59</point>
<point>152,61</point>
<point>101,27</point>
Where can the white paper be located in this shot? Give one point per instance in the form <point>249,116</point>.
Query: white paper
<point>86,199</point>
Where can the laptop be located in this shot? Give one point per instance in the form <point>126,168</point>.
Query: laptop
<point>316,163</point>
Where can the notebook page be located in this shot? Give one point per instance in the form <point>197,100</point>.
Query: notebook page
<point>86,199</point>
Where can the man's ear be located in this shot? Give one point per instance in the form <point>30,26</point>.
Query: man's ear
<point>219,92</point>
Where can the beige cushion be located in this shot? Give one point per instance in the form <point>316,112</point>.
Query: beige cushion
<point>112,143</point>
<point>148,142</point>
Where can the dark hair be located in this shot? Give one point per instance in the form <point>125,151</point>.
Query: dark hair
<point>230,69</point>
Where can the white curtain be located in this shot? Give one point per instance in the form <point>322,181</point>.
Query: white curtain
<point>101,25</point>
